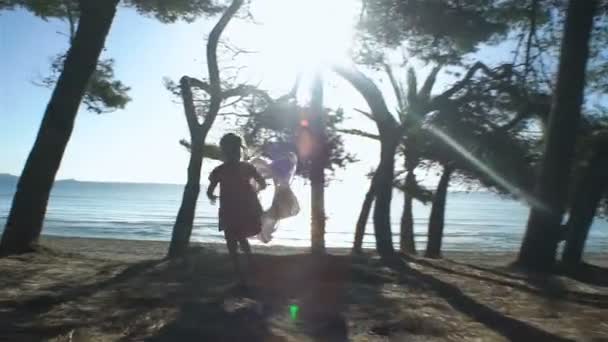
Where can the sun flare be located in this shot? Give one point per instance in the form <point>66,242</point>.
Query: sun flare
<point>303,35</point>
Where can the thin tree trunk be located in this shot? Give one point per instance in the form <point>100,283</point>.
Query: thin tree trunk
<point>184,221</point>
<point>317,172</point>
<point>589,192</point>
<point>182,229</point>
<point>383,186</point>
<point>407,242</point>
<point>539,246</point>
<point>185,216</point>
<point>437,218</point>
<point>26,217</point>
<point>363,219</point>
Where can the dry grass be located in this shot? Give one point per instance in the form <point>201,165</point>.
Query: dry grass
<point>69,297</point>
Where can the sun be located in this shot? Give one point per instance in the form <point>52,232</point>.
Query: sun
<point>301,35</point>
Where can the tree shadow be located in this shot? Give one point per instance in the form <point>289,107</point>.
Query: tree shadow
<point>542,285</point>
<point>17,315</point>
<point>586,273</point>
<point>508,327</point>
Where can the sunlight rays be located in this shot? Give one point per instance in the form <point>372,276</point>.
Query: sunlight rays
<point>512,188</point>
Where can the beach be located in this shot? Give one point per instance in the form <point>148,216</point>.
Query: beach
<point>78,289</point>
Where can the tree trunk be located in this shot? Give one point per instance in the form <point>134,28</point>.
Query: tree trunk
<point>383,186</point>
<point>437,218</point>
<point>539,246</point>
<point>26,217</point>
<point>185,216</point>
<point>317,172</point>
<point>407,242</point>
<point>184,221</point>
<point>589,192</point>
<point>363,219</point>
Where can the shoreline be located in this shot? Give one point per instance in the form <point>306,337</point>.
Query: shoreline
<point>132,250</point>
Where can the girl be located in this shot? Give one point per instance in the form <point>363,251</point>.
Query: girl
<point>240,210</point>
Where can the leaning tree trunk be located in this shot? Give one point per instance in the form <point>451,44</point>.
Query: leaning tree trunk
<point>317,172</point>
<point>383,186</point>
<point>182,229</point>
<point>437,218</point>
<point>589,192</point>
<point>390,133</point>
<point>363,219</point>
<point>407,242</point>
<point>24,223</point>
<point>542,234</point>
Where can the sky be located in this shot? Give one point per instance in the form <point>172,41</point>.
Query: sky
<point>140,143</point>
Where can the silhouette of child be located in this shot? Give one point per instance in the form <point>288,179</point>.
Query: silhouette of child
<point>240,211</point>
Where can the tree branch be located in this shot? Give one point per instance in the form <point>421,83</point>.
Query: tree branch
<point>464,81</point>
<point>359,133</point>
<point>194,82</point>
<point>372,95</point>
<point>364,113</point>
<point>189,110</point>
<point>244,90</point>
<point>427,87</point>
<point>215,85</point>
<point>533,11</point>
<point>396,88</point>
<point>214,38</point>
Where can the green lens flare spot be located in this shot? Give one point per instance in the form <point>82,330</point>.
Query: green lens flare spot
<point>293,312</point>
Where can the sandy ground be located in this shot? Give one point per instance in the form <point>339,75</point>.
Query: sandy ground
<point>115,290</point>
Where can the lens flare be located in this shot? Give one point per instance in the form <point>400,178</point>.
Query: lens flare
<point>512,188</point>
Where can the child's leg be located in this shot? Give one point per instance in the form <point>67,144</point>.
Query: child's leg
<point>232,245</point>
<point>246,248</point>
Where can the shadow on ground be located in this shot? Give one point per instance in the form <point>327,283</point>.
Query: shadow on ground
<point>289,298</point>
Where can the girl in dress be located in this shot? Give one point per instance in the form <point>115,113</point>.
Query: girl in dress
<point>240,212</point>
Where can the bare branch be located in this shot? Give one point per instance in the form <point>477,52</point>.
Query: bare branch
<point>244,90</point>
<point>396,88</point>
<point>359,133</point>
<point>194,82</point>
<point>238,115</point>
<point>215,84</point>
<point>462,83</point>
<point>364,113</point>
<point>371,94</point>
<point>427,87</point>
<point>71,20</point>
<point>214,38</point>
<point>533,11</point>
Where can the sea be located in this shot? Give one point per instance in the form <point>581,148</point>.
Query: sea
<point>475,221</point>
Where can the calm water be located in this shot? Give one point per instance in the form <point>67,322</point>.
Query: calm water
<point>474,221</point>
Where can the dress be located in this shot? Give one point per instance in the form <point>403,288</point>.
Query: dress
<point>240,211</point>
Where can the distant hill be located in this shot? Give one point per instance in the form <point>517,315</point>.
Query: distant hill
<point>7,179</point>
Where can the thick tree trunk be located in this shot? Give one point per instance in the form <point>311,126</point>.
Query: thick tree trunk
<point>407,242</point>
<point>437,218</point>
<point>540,241</point>
<point>317,172</point>
<point>383,186</point>
<point>26,217</point>
<point>363,219</point>
<point>589,192</point>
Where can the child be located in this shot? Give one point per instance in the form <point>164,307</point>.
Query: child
<point>240,210</point>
